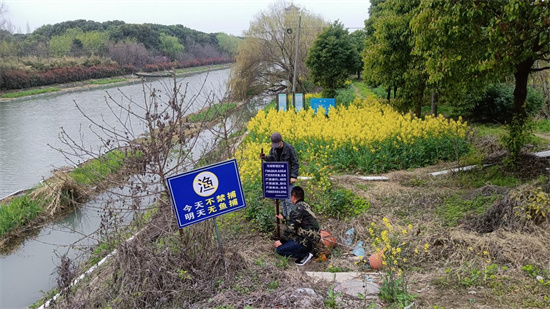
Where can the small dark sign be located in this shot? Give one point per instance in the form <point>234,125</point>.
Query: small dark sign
<point>275,178</point>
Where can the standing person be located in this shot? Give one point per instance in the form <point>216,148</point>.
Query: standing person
<point>283,151</point>
<point>301,232</point>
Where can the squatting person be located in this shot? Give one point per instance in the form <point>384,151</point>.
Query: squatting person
<point>301,231</point>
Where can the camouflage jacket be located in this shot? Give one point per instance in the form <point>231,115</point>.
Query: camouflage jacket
<point>302,226</point>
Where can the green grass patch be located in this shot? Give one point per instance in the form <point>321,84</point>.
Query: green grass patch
<point>25,93</point>
<point>214,112</point>
<point>445,110</point>
<point>106,81</point>
<point>489,129</point>
<point>542,126</point>
<point>455,208</point>
<point>97,169</point>
<point>363,90</point>
<point>19,212</point>
<point>492,175</point>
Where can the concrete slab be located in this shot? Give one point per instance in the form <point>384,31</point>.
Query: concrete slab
<point>543,154</point>
<point>374,178</point>
<point>357,287</point>
<point>335,277</point>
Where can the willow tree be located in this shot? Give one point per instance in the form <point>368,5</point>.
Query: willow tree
<point>266,57</point>
<point>467,42</point>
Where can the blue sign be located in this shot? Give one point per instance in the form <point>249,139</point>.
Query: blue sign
<point>281,102</point>
<point>324,103</point>
<point>206,192</point>
<point>299,104</point>
<point>275,180</point>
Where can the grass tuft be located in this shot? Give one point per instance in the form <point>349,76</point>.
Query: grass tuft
<point>19,94</point>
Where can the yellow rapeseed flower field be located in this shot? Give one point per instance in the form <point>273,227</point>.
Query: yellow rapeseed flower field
<point>367,136</point>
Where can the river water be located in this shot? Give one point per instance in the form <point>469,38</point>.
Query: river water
<point>27,128</point>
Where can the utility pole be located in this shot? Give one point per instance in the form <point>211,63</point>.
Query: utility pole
<point>296,63</point>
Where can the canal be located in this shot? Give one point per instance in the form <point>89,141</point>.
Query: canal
<point>29,137</point>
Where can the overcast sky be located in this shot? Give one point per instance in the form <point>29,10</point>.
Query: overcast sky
<point>229,16</point>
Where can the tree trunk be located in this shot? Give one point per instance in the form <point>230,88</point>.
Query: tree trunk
<point>394,92</point>
<point>389,94</point>
<point>520,90</point>
<point>435,100</point>
<point>517,130</point>
<point>418,105</point>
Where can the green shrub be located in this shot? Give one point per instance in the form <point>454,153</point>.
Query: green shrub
<point>343,203</point>
<point>344,96</point>
<point>380,92</point>
<point>496,103</point>
<point>259,210</point>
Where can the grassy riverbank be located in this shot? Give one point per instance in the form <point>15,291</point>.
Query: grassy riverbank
<point>60,88</point>
<point>25,93</point>
<point>63,190</point>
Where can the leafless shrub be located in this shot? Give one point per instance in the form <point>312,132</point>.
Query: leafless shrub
<point>129,53</point>
<point>159,264</point>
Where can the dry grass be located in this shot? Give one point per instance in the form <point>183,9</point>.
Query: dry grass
<point>163,269</point>
<point>496,237</point>
<point>60,192</point>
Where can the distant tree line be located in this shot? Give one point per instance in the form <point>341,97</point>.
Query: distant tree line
<point>111,47</point>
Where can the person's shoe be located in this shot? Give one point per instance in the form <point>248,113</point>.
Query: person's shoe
<point>304,260</point>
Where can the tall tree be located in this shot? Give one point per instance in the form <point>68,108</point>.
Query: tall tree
<point>170,46</point>
<point>331,59</point>
<point>358,38</point>
<point>466,42</point>
<point>387,54</point>
<point>228,43</point>
<point>266,57</point>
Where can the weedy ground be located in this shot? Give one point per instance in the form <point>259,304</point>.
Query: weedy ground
<point>483,238</point>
